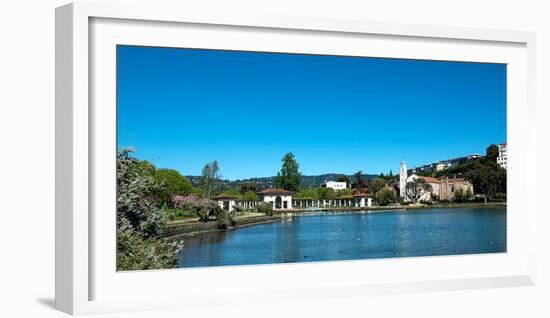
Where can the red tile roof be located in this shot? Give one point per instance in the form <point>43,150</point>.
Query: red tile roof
<point>452,180</point>
<point>361,195</point>
<point>275,192</point>
<point>430,179</point>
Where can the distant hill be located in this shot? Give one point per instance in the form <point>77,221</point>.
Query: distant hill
<point>269,182</point>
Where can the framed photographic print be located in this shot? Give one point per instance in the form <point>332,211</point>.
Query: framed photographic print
<point>239,155</point>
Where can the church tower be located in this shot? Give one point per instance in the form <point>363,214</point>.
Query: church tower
<point>402,178</point>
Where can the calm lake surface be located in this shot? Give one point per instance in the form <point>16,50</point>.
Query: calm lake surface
<point>353,236</point>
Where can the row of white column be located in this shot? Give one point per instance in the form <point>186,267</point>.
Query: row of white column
<point>249,204</point>
<point>304,203</point>
<point>297,203</point>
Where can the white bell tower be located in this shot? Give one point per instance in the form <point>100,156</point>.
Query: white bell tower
<point>402,178</point>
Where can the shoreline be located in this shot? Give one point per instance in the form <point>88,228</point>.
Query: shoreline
<point>177,231</point>
<point>187,229</point>
<point>396,207</point>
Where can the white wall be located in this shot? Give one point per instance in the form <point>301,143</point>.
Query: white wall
<point>27,160</point>
<point>284,198</point>
<point>336,185</point>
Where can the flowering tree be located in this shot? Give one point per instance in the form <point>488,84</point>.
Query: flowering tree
<point>140,221</point>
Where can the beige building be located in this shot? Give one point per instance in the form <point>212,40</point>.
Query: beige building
<point>444,188</point>
<point>449,186</point>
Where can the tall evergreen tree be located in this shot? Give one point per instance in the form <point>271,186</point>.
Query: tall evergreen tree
<point>289,176</point>
<point>492,152</point>
<point>360,182</point>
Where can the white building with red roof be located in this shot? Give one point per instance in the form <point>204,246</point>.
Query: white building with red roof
<point>226,202</point>
<point>280,199</point>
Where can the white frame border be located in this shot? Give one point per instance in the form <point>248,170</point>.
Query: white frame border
<point>72,139</point>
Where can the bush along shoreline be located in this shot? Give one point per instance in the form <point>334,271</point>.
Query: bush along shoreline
<point>140,221</point>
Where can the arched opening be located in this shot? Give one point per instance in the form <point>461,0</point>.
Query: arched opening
<point>278,202</point>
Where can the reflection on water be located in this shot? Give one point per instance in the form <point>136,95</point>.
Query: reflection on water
<point>353,236</point>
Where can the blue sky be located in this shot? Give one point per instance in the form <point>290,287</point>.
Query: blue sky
<point>182,108</point>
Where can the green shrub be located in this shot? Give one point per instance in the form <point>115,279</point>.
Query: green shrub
<point>250,196</point>
<point>265,207</point>
<point>170,214</point>
<point>225,219</point>
<point>186,213</point>
<point>385,196</point>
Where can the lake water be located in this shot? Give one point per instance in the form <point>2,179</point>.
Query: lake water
<point>350,236</point>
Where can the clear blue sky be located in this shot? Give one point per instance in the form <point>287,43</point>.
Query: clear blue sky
<point>182,108</point>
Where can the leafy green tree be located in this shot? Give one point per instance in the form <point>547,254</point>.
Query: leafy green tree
<point>246,187</point>
<point>173,184</point>
<point>326,193</point>
<point>488,179</point>
<point>146,168</point>
<point>426,174</point>
<point>344,193</point>
<point>199,192</point>
<point>307,194</point>
<point>289,176</point>
<point>250,196</point>
<point>385,196</point>
<point>140,221</point>
<point>344,178</point>
<point>492,152</point>
<point>377,184</point>
<point>210,178</point>
<point>234,192</point>
<point>417,188</point>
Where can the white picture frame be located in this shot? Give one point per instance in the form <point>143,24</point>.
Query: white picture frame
<point>85,282</point>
